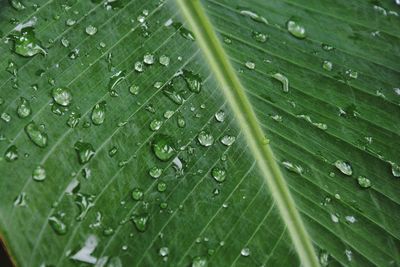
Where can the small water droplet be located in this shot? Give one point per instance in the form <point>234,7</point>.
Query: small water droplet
<point>220,116</point>
<point>200,261</point>
<point>323,258</point>
<point>11,153</point>
<point>218,174</point>
<point>344,167</point>
<point>24,108</point>
<point>17,5</point>
<point>20,200</point>
<point>148,59</point>
<point>185,33</point>
<point>62,96</point>
<point>254,16</point>
<point>137,194</point>
<point>245,252</point>
<point>115,79</point>
<point>228,140</point>
<point>164,60</point>
<point>141,222</point>
<point>250,65</point>
<point>181,120</point>
<point>193,81</point>
<point>5,117</point>
<point>327,65</point>
<point>155,172</point>
<point>84,203</point>
<point>99,113</point>
<point>39,173</point>
<point>161,186</point>
<point>395,170</point>
<point>283,79</point>
<point>73,119</point>
<point>164,251</point>
<point>327,47</point>
<point>260,37</point>
<point>134,89</point>
<point>292,167</point>
<point>139,66</point>
<point>58,225</point>
<point>205,139</point>
<point>91,30</point>
<point>36,134</point>
<point>173,94</point>
<point>162,147</point>
<point>155,125</point>
<point>85,151</point>
<point>296,29</point>
<point>364,182</point>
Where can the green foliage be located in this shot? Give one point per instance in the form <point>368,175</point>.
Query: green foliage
<point>115,135</point>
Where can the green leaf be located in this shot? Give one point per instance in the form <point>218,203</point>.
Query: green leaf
<point>165,174</point>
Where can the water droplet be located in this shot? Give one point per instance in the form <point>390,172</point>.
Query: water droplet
<point>141,222</point>
<point>20,200</point>
<point>155,172</point>
<point>108,231</point>
<point>148,59</point>
<point>200,261</point>
<point>134,89</point>
<point>170,91</point>
<point>205,139</point>
<point>161,187</point>
<point>327,47</point>
<point>164,251</point>
<point>113,151</point>
<point>65,42</point>
<point>85,151</point>
<point>137,194</point>
<point>349,254</point>
<point>245,252</point>
<point>11,153</point>
<point>116,79</point>
<point>36,134</point>
<point>139,66</point>
<point>344,167</point>
<point>323,258</point>
<point>91,30</point>
<point>99,113</point>
<point>254,16</point>
<point>70,22</point>
<point>17,5</point>
<point>283,79</point>
<point>181,121</point>
<point>164,60</point>
<point>58,225</point>
<point>292,167</point>
<point>85,253</point>
<point>84,203</point>
<point>39,173</point>
<point>327,65</point>
<point>352,74</point>
<point>364,182</point>
<point>228,140</point>
<point>218,174</point>
<point>260,37</point>
<point>334,218</point>
<point>24,108</point>
<point>395,170</point>
<point>62,96</point>
<point>155,125</point>
<point>193,81</point>
<point>350,219</point>
<point>220,116</point>
<point>6,117</point>
<point>185,33</point>
<point>26,44</point>
<point>73,119</point>
<point>162,147</point>
<point>250,65</point>
<point>277,118</point>
<point>296,29</point>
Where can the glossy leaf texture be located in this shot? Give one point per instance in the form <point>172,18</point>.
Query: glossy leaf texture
<point>119,149</point>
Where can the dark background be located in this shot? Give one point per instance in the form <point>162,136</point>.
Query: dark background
<point>4,259</point>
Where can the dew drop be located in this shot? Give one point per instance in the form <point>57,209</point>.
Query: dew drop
<point>91,30</point>
<point>283,79</point>
<point>26,44</point>
<point>39,173</point>
<point>58,225</point>
<point>99,113</point>
<point>250,65</point>
<point>395,170</point>
<point>137,194</point>
<point>200,261</point>
<point>296,29</point>
<point>155,125</point>
<point>62,96</point>
<point>260,37</point>
<point>164,60</point>
<point>364,182</point>
<point>205,139</point>
<point>36,134</point>
<point>24,108</point>
<point>193,81</point>
<point>181,121</point>
<point>245,252</point>
<point>148,59</point>
<point>155,172</point>
<point>17,5</point>
<point>185,33</point>
<point>293,167</point>
<point>218,174</point>
<point>344,167</point>
<point>228,140</point>
<point>84,203</point>
<point>162,147</point>
<point>161,186</point>
<point>11,153</point>
<point>254,16</point>
<point>220,116</point>
<point>141,222</point>
<point>85,151</point>
<point>327,65</point>
<point>134,89</point>
<point>164,251</point>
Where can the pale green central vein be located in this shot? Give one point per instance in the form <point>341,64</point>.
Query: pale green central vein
<point>247,121</point>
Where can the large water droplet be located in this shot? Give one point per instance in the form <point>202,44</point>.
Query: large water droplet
<point>296,29</point>
<point>344,167</point>
<point>62,96</point>
<point>26,44</point>
<point>36,134</point>
<point>205,138</point>
<point>85,151</point>
<point>99,113</point>
<point>163,148</point>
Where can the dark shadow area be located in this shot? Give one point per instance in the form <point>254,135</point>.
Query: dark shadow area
<point>4,258</point>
